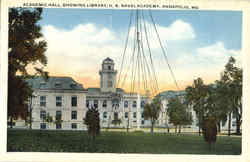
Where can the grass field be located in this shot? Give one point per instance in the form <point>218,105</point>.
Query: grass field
<point>118,142</point>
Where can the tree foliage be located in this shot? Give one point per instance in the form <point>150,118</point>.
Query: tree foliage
<point>219,99</point>
<point>26,49</point>
<point>178,112</point>
<point>195,97</point>
<point>152,111</point>
<point>231,78</point>
<point>92,120</point>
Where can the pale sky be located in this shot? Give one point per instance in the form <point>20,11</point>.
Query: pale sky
<point>198,43</point>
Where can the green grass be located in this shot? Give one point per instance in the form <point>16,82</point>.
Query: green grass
<point>118,142</point>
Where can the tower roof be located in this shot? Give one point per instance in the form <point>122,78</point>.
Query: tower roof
<point>108,60</point>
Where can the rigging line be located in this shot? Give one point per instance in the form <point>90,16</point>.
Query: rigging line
<point>142,62</point>
<point>149,49</point>
<point>131,63</point>
<point>163,50</point>
<point>147,65</point>
<point>126,44</point>
<point>139,52</point>
<point>132,77</point>
<point>152,64</point>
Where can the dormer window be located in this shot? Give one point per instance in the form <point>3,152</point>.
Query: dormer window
<point>109,67</point>
<point>73,85</point>
<point>58,85</point>
<point>42,84</point>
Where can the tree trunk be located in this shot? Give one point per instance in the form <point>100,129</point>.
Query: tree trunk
<point>238,123</point>
<point>218,126</point>
<point>176,129</point>
<point>30,119</point>
<point>229,124</point>
<point>152,128</point>
<point>11,122</point>
<point>128,126</point>
<point>179,128</point>
<point>199,127</point>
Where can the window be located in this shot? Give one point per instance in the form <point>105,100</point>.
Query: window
<point>74,101</point>
<point>42,84</point>
<point>142,122</point>
<point>104,104</point>
<point>109,83</point>
<point>42,115</point>
<point>73,85</point>
<point>134,114</point>
<point>126,104</point>
<point>142,104</point>
<point>58,115</point>
<point>87,103</point>
<point>74,126</point>
<point>104,115</point>
<point>59,101</point>
<point>58,125</point>
<point>42,125</point>
<point>58,85</point>
<point>109,67</point>
<point>96,103</point>
<point>43,101</point>
<point>142,115</point>
<point>74,115</point>
<point>134,103</point>
<point>126,114</point>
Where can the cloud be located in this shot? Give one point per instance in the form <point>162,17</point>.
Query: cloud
<point>79,52</point>
<point>206,62</point>
<point>80,49</point>
<point>179,30</point>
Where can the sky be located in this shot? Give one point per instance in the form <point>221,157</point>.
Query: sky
<point>197,43</point>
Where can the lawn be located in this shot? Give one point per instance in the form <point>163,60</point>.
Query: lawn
<point>118,142</point>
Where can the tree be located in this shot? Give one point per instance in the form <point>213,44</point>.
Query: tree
<point>25,48</point>
<point>152,111</point>
<point>232,79</point>
<point>92,121</point>
<point>210,130</point>
<point>178,113</point>
<point>195,97</point>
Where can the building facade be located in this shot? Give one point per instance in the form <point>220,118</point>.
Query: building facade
<point>60,99</point>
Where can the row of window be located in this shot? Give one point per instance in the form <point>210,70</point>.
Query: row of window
<point>58,115</point>
<point>114,104</point>
<point>58,126</point>
<point>58,101</point>
<point>74,115</point>
<point>105,114</point>
<point>74,102</point>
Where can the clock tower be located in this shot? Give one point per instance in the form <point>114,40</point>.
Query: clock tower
<point>108,76</point>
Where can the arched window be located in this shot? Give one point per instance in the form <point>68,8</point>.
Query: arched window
<point>125,104</point>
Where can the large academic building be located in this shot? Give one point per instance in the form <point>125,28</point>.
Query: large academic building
<point>64,99</point>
